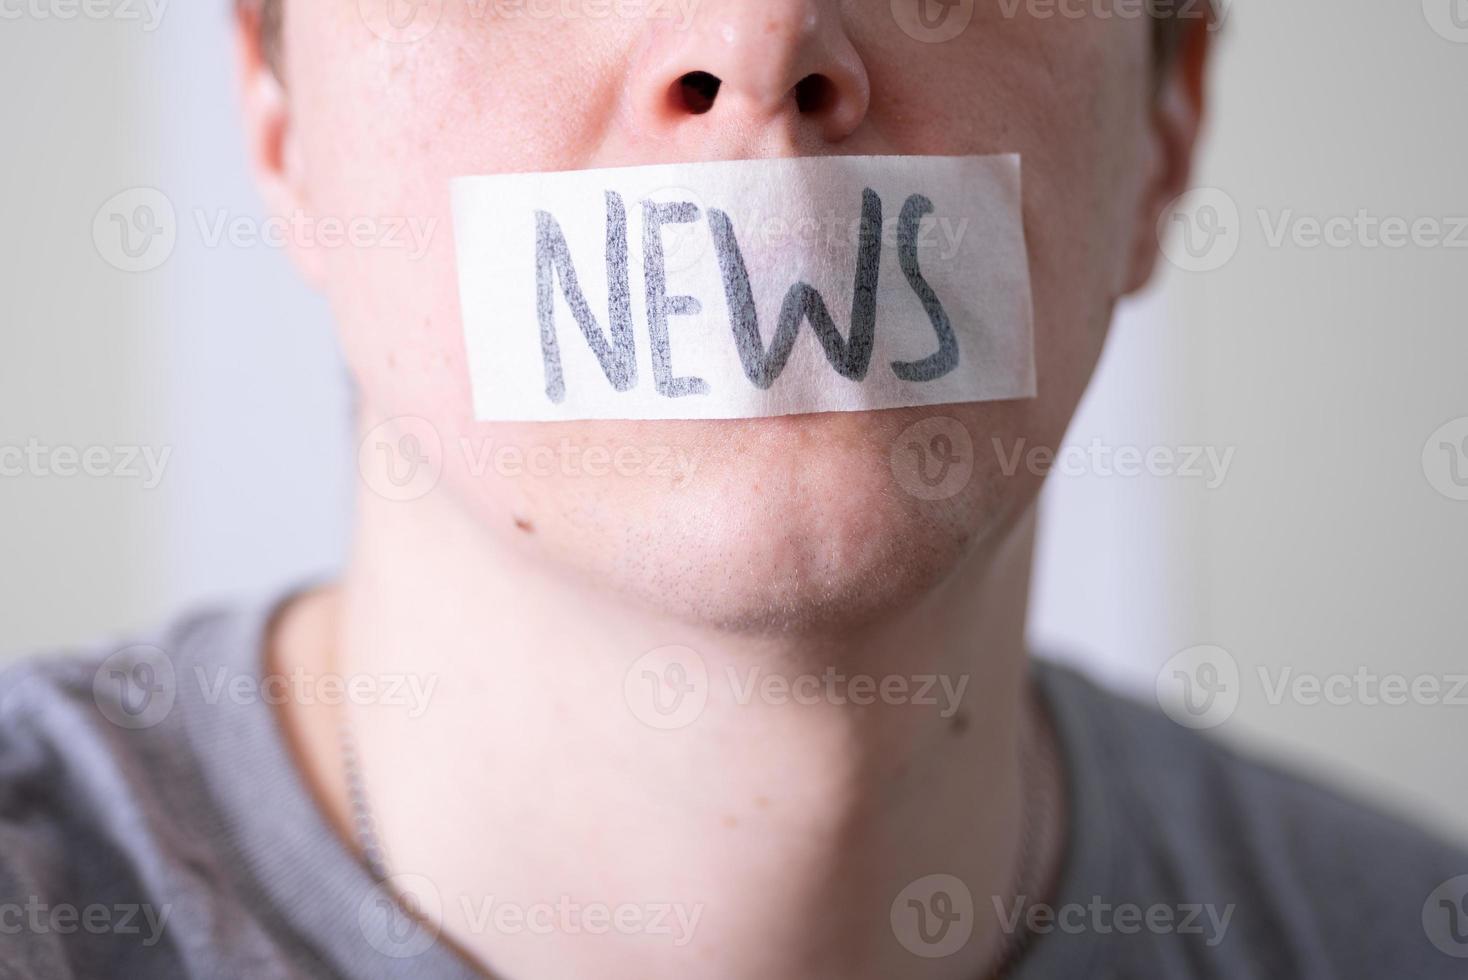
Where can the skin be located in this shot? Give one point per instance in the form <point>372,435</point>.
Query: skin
<point>791,549</point>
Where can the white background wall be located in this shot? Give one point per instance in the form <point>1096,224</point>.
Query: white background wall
<point>1325,370</point>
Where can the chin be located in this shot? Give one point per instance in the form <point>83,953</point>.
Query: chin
<point>802,524</point>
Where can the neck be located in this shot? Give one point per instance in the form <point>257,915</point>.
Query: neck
<point>745,805</point>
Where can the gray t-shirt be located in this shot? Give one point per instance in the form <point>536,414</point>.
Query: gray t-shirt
<point>152,825</point>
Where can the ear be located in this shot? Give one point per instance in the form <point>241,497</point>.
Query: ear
<point>1177,113</point>
<point>269,139</point>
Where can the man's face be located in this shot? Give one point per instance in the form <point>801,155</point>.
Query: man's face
<point>787,522</point>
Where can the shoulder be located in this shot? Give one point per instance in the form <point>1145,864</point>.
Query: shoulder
<point>68,719</point>
<point>1318,883</point>
<point>100,803</point>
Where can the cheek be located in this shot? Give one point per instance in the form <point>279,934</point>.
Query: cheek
<point>1074,107</point>
<point>384,129</point>
<point>1070,95</point>
<point>1083,195</point>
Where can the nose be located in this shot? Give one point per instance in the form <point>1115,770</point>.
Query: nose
<point>751,77</point>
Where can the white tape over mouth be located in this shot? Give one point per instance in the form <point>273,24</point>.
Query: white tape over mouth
<point>745,289</point>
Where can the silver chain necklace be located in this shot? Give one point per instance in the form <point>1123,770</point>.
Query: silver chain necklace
<point>1035,809</point>
<point>364,829</point>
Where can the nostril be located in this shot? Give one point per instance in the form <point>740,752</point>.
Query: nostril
<point>696,91</point>
<point>815,94</point>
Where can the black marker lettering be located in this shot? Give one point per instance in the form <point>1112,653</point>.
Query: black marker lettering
<point>945,358</point>
<point>553,259</point>
<point>850,357</point>
<point>660,305</point>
